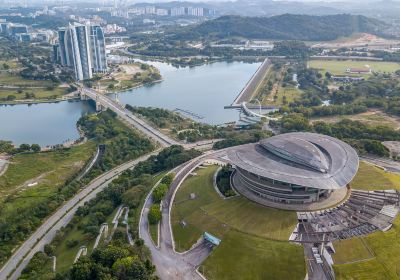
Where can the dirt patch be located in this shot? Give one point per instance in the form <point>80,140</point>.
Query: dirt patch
<point>130,69</point>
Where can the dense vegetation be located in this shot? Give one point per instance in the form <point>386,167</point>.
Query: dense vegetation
<point>365,138</point>
<point>122,145</point>
<point>380,91</point>
<point>285,27</point>
<point>117,259</point>
<point>191,131</point>
<point>223,181</point>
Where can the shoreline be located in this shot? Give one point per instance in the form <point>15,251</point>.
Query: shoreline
<point>37,101</point>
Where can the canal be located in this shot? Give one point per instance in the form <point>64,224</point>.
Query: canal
<point>203,90</point>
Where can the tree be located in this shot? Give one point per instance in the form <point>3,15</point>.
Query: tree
<point>154,214</point>
<point>11,97</point>
<point>35,148</point>
<point>328,75</point>
<point>167,179</point>
<point>82,269</point>
<point>24,147</point>
<point>49,250</point>
<point>159,192</point>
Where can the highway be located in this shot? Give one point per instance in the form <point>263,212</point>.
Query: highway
<point>130,118</point>
<point>47,231</point>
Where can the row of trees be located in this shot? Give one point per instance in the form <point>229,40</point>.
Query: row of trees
<point>8,148</point>
<point>158,195</point>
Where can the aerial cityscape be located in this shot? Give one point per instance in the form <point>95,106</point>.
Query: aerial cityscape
<point>218,140</point>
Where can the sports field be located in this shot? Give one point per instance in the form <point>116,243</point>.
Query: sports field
<point>370,177</point>
<point>338,67</point>
<point>246,229</point>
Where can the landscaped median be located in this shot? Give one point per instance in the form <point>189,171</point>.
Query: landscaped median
<point>155,215</point>
<point>254,238</point>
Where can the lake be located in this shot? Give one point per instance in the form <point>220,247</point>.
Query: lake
<point>202,90</point>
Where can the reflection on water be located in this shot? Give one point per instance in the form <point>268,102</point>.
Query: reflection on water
<point>44,124</point>
<point>203,90</point>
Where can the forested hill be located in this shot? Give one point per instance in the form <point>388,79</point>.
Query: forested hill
<point>286,27</point>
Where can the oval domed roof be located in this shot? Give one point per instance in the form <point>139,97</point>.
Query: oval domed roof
<point>297,150</point>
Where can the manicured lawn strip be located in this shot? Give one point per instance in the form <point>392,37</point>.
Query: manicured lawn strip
<point>154,233</point>
<point>350,250</point>
<point>370,177</point>
<point>385,246</point>
<point>242,256</point>
<point>339,67</point>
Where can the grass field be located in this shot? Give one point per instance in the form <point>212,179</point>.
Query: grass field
<point>40,93</point>
<point>350,250</point>
<point>49,170</point>
<point>16,80</point>
<point>370,177</point>
<point>386,264</point>
<point>371,117</point>
<point>245,257</point>
<point>290,92</point>
<point>338,67</point>
<point>245,228</point>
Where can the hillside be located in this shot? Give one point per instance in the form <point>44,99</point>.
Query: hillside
<point>286,27</point>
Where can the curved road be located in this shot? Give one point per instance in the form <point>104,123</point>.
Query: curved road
<point>170,264</point>
<point>46,232</point>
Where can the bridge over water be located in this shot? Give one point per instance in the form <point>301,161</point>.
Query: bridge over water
<point>104,102</point>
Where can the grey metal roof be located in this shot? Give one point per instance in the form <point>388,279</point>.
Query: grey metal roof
<point>301,158</point>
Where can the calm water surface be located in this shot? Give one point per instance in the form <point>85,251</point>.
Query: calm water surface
<point>44,124</point>
<point>203,90</point>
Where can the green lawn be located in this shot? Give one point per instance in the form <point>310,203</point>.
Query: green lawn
<point>290,92</point>
<point>339,67</point>
<point>350,250</point>
<point>40,93</point>
<point>370,177</point>
<point>15,79</point>
<point>49,169</point>
<point>386,264</point>
<point>53,167</point>
<point>154,233</point>
<point>245,228</point>
<point>242,256</point>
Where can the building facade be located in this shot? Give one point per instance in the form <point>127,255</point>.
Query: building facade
<point>82,47</point>
<point>292,168</point>
<point>98,49</point>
